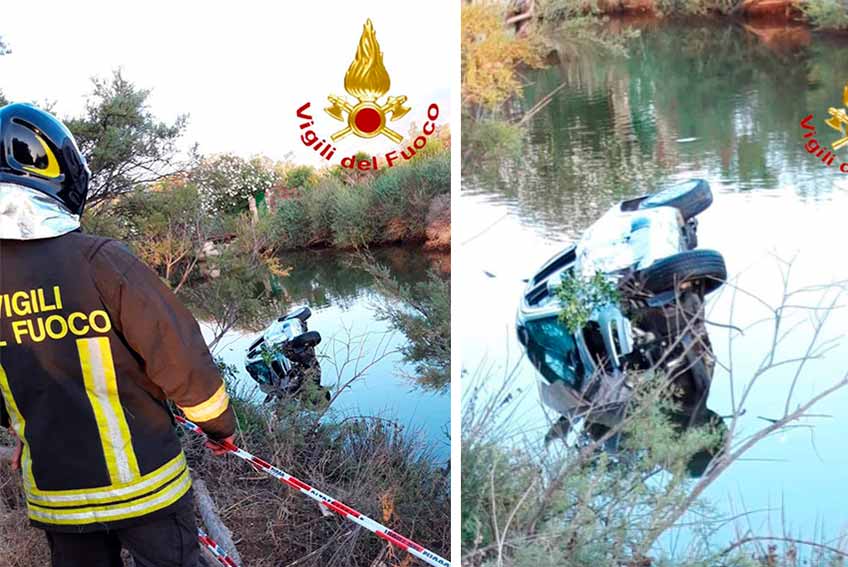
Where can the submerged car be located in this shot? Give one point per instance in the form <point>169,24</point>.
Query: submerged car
<point>283,360</point>
<point>647,248</point>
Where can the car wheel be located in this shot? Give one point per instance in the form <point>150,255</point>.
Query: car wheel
<point>690,198</point>
<point>693,265</point>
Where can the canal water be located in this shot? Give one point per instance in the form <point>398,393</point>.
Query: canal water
<point>358,348</point>
<point>719,102</point>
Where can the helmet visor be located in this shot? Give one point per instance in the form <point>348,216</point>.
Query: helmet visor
<point>28,152</point>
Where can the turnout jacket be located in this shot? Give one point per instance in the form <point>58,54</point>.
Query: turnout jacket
<point>92,344</point>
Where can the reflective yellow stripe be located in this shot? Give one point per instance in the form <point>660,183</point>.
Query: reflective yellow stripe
<point>211,408</point>
<point>90,496</point>
<point>19,425</point>
<point>101,386</point>
<point>111,513</point>
<point>118,410</point>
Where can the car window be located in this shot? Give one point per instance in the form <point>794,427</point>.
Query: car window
<point>552,350</point>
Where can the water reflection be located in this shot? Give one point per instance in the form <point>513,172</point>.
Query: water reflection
<point>356,344</point>
<point>710,97</point>
<point>327,277</point>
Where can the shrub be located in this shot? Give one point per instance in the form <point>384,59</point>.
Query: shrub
<point>579,297</point>
<point>354,222</point>
<point>826,14</point>
<point>490,55</point>
<point>302,176</point>
<point>226,182</point>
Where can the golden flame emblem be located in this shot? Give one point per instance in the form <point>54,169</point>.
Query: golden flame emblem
<point>367,80</point>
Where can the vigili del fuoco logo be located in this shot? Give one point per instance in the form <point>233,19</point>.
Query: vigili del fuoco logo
<point>838,121</point>
<point>367,81</point>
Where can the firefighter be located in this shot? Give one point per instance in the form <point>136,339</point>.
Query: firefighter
<point>92,347</point>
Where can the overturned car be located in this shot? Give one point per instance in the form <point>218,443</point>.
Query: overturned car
<point>647,248</point>
<point>283,360</point>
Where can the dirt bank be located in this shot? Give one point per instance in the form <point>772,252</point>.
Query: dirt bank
<point>439,224</point>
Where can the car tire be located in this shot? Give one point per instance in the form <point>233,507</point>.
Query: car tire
<point>307,339</point>
<point>705,265</point>
<point>690,198</point>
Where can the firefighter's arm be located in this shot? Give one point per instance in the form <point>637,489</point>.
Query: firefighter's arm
<point>159,328</point>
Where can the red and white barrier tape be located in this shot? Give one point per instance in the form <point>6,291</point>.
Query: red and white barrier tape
<point>216,549</point>
<point>332,504</point>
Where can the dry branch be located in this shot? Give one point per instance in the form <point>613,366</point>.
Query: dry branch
<point>215,527</point>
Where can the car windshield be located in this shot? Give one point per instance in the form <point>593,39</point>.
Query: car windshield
<point>551,349</point>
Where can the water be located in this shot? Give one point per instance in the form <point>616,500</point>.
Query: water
<point>724,103</point>
<point>356,343</point>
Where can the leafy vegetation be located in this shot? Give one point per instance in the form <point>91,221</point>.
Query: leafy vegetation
<point>580,297</point>
<point>422,313</point>
<point>490,56</point>
<point>124,144</point>
<point>826,14</point>
<point>389,206</point>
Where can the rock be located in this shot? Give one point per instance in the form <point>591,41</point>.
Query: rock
<point>439,224</point>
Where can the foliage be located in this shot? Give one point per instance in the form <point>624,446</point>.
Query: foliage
<point>388,206</point>
<point>602,512</point>
<point>166,227</point>
<point>492,139</point>
<point>603,501</point>
<point>422,314</point>
<point>239,288</point>
<point>372,464</point>
<point>580,297</point>
<point>490,55</point>
<point>301,176</point>
<point>227,182</point>
<point>696,7</point>
<point>124,144</point>
<point>826,14</point>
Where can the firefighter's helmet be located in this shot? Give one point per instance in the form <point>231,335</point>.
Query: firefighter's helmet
<point>39,152</point>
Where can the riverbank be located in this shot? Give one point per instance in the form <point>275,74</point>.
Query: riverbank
<point>815,14</point>
<point>370,463</point>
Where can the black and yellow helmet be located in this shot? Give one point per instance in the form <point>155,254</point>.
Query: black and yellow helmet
<point>38,151</point>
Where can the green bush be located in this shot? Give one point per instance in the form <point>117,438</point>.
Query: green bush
<point>390,205</point>
<point>354,224</point>
<point>290,226</point>
<point>319,206</point>
<point>826,14</point>
<point>302,176</point>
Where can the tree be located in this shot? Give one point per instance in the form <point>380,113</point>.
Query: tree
<point>124,144</point>
<point>168,229</point>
